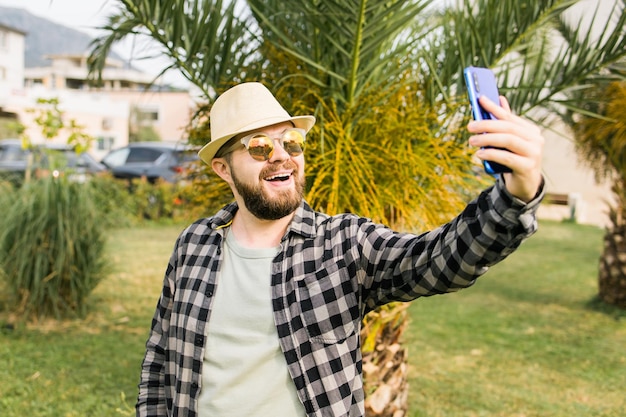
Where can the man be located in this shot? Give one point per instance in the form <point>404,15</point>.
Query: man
<point>262,303</point>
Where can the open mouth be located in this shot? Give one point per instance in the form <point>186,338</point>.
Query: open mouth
<point>278,177</point>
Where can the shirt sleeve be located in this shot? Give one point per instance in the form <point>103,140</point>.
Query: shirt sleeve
<point>403,267</point>
<point>151,401</point>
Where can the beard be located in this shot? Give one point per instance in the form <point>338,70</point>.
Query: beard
<point>264,206</point>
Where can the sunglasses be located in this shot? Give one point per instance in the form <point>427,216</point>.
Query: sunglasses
<point>260,145</point>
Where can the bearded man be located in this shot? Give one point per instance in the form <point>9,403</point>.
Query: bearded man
<point>262,303</point>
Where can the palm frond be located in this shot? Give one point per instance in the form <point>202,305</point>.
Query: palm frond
<point>345,46</point>
<point>208,41</point>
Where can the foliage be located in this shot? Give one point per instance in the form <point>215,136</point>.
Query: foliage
<point>10,128</point>
<point>144,134</point>
<point>391,154</point>
<point>376,149</point>
<point>602,142</point>
<point>51,240</point>
<point>126,203</point>
<point>206,40</point>
<point>51,248</point>
<point>346,61</point>
<point>49,118</point>
<point>153,201</point>
<point>209,192</point>
<point>114,201</point>
<point>204,197</point>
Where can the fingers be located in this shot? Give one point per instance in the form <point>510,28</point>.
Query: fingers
<point>504,103</point>
<point>506,124</point>
<point>511,141</point>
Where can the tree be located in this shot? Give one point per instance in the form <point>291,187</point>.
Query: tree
<point>384,79</point>
<point>551,65</point>
<point>602,142</point>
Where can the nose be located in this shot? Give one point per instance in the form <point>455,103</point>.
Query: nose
<point>279,153</point>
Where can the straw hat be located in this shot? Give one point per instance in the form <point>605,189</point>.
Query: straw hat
<point>243,108</point>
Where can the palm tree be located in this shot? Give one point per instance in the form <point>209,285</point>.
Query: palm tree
<point>384,79</point>
<point>554,67</point>
<point>602,142</point>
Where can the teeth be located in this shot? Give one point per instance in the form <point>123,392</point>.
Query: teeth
<point>278,177</point>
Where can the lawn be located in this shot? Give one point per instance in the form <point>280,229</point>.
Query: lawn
<point>529,339</point>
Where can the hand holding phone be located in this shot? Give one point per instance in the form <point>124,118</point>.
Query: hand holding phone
<point>482,82</point>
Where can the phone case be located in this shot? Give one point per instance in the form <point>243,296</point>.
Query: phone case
<point>482,82</point>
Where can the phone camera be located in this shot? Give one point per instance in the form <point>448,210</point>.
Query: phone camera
<point>476,85</point>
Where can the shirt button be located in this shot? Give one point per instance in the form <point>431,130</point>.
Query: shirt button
<point>199,340</point>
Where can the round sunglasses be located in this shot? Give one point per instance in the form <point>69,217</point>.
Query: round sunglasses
<point>260,145</point>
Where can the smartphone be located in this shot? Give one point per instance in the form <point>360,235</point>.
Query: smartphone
<point>482,82</point>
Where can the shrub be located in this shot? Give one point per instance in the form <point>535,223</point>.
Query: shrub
<point>153,200</point>
<point>113,200</point>
<point>51,247</point>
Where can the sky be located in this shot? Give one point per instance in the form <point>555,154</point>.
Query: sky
<point>87,16</point>
<point>78,14</point>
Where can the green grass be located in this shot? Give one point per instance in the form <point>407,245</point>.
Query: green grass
<point>90,367</point>
<point>529,339</point>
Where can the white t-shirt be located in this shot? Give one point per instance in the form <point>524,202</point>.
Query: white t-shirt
<point>244,372</point>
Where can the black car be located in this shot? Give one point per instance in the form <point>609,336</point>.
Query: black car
<point>15,160</point>
<point>167,161</point>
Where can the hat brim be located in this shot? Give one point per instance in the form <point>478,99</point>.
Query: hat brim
<point>208,151</point>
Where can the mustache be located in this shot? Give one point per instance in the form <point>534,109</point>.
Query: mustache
<point>275,168</point>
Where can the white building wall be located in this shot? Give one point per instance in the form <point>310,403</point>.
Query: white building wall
<point>99,115</point>
<point>11,62</point>
<point>566,173</point>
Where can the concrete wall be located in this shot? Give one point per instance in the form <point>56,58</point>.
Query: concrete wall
<point>566,173</point>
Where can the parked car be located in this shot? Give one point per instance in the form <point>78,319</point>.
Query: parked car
<point>167,161</point>
<point>14,160</point>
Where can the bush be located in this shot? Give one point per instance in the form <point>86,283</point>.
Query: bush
<point>113,200</point>
<point>162,201</point>
<point>51,247</point>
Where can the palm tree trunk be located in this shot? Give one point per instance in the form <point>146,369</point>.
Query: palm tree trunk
<point>385,365</point>
<point>612,273</point>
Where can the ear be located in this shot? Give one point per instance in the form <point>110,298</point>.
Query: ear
<point>222,169</point>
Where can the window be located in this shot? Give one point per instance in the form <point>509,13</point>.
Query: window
<point>116,158</point>
<point>147,115</point>
<point>74,84</point>
<point>143,155</point>
<point>105,143</point>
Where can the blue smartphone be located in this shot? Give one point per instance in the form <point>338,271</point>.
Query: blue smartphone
<point>482,82</point>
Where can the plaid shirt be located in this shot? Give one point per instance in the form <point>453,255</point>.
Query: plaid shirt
<point>329,272</point>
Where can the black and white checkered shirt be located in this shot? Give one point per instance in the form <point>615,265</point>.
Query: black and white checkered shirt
<point>330,271</point>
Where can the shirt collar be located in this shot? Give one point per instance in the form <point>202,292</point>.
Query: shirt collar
<point>303,222</point>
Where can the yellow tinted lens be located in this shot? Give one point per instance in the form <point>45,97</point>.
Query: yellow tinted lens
<point>261,147</point>
<point>293,142</point>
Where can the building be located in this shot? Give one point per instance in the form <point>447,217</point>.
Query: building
<point>125,102</point>
<point>11,63</point>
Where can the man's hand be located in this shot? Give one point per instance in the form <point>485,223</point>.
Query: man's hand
<point>523,143</point>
